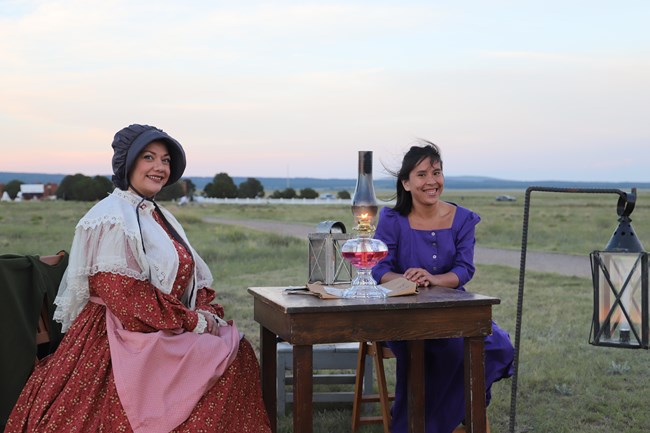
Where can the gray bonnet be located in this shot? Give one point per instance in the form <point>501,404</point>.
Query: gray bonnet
<point>130,141</point>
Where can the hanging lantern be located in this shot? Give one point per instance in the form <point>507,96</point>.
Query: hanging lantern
<point>620,280</point>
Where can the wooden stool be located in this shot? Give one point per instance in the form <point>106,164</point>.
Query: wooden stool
<point>379,352</point>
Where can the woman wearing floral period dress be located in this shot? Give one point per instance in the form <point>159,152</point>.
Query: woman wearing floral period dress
<point>146,348</point>
<point>431,242</point>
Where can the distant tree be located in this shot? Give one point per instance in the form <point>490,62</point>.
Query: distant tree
<point>189,188</point>
<point>13,188</point>
<point>222,186</point>
<point>308,193</point>
<point>343,194</point>
<point>285,193</point>
<point>103,186</point>
<point>83,188</point>
<point>171,192</point>
<point>65,189</point>
<point>250,188</point>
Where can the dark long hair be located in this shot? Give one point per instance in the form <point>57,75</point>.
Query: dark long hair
<point>415,155</point>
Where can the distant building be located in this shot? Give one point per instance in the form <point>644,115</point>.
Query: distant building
<point>37,191</point>
<point>50,190</point>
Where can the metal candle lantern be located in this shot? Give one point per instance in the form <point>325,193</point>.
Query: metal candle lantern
<point>620,280</point>
<point>364,252</point>
<point>326,264</point>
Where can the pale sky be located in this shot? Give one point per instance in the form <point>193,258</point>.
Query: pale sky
<point>518,90</point>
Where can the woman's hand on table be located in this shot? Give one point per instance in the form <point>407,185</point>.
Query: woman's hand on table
<point>419,276</point>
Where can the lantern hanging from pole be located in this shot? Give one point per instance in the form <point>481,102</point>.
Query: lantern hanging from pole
<point>620,280</point>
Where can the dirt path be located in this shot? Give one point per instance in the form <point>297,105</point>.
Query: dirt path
<point>562,264</point>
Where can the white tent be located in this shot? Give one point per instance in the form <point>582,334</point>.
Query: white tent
<point>5,196</point>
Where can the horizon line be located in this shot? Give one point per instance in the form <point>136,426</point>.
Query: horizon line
<point>353,178</point>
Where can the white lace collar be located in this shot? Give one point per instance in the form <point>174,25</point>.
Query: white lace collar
<point>134,199</point>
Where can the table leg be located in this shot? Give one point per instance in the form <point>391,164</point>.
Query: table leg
<point>475,402</point>
<point>302,388</point>
<point>268,366</point>
<point>416,386</point>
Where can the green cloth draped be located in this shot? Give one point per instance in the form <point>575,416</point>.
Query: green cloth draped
<point>25,283</point>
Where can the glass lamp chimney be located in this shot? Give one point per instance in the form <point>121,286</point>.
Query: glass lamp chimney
<point>364,202</point>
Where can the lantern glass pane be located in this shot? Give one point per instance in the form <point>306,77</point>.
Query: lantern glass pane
<point>620,294</point>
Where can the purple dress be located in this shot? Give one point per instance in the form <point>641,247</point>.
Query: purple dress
<point>438,251</point>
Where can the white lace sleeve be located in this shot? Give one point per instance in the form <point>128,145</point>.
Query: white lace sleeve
<point>220,321</point>
<point>104,247</point>
<point>201,325</point>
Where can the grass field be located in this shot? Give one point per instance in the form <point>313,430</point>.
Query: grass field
<point>565,385</point>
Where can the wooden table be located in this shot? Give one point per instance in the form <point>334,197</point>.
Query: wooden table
<point>304,320</point>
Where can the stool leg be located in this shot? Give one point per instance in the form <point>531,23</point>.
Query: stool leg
<point>461,428</point>
<point>382,386</point>
<point>358,385</point>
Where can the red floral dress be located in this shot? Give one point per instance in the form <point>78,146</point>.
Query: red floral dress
<point>73,390</point>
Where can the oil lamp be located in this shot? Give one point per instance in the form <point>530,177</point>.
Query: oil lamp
<point>364,252</point>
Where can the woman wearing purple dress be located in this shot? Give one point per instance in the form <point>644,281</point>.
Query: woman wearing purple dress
<point>431,242</point>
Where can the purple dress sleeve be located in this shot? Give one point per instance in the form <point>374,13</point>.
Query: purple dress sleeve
<point>388,232</point>
<point>464,236</point>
